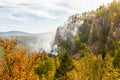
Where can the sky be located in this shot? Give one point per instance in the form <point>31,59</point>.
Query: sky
<point>41,16</point>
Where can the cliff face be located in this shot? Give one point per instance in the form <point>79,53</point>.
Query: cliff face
<point>103,35</point>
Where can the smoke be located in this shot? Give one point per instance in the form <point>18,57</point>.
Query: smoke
<point>69,29</point>
<point>44,42</point>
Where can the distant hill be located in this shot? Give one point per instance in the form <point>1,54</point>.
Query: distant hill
<point>14,33</point>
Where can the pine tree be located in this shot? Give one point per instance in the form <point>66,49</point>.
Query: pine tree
<point>66,65</point>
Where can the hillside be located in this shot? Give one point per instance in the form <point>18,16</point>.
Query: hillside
<point>98,29</point>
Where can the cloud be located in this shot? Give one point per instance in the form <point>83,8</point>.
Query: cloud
<point>40,8</point>
<point>24,8</point>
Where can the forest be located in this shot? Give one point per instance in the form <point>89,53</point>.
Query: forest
<point>92,54</point>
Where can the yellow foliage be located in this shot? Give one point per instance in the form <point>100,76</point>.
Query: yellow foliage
<point>16,64</point>
<point>110,72</point>
<point>73,75</point>
<point>87,68</point>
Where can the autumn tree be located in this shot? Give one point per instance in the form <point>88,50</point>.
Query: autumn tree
<point>17,64</point>
<point>110,73</point>
<point>116,61</point>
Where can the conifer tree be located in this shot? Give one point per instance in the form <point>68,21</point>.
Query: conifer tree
<point>66,65</point>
